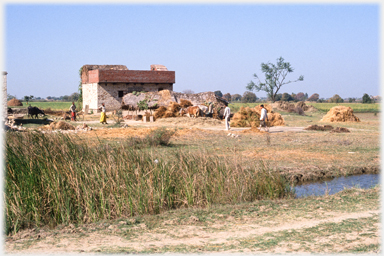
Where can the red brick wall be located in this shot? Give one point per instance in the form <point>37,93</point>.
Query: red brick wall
<point>129,76</point>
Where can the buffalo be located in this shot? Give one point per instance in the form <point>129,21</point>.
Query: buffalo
<point>35,111</point>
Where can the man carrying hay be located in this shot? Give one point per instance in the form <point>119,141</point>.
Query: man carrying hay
<point>263,117</point>
<point>73,111</point>
<point>103,117</point>
<point>227,114</point>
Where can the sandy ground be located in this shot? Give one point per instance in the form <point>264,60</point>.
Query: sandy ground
<point>220,233</point>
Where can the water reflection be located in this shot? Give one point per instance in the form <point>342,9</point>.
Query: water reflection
<point>363,181</point>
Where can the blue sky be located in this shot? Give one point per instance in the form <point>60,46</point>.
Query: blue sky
<point>209,46</point>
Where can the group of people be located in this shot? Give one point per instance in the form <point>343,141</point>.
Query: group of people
<point>103,117</point>
<point>227,114</point>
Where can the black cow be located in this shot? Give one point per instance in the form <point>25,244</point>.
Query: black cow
<point>9,111</point>
<point>35,111</point>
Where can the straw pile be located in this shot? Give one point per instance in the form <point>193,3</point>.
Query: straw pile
<point>250,117</point>
<point>316,127</point>
<point>274,119</point>
<point>340,129</point>
<point>340,114</point>
<point>245,117</point>
<point>14,102</point>
<point>171,111</point>
<point>61,125</point>
<point>185,103</point>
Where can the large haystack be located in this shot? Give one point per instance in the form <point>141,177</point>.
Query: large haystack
<point>61,125</point>
<point>340,114</point>
<point>14,102</point>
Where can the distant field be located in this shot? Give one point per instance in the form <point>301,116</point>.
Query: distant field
<point>54,105</point>
<point>357,107</point>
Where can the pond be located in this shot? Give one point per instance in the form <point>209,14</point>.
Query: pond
<point>335,185</point>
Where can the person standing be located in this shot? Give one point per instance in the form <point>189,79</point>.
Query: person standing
<point>263,117</point>
<point>73,111</point>
<point>103,117</point>
<point>227,114</point>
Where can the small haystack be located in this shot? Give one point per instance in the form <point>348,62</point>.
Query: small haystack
<point>340,129</point>
<point>14,102</point>
<point>171,111</point>
<point>245,117</point>
<point>316,127</point>
<point>340,114</point>
<point>61,125</point>
<point>185,103</point>
<point>250,117</point>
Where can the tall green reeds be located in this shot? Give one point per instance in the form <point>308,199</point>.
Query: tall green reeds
<point>55,178</point>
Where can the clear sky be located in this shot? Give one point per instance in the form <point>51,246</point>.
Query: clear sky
<point>209,46</point>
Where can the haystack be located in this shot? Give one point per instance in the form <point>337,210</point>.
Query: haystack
<point>61,125</point>
<point>159,113</point>
<point>340,129</point>
<point>245,117</point>
<point>274,119</point>
<point>302,105</point>
<point>340,114</point>
<point>185,103</point>
<point>171,111</point>
<point>250,117</point>
<point>316,127</point>
<point>14,102</point>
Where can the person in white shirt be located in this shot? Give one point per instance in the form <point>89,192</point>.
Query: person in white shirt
<point>227,114</point>
<point>263,117</point>
<point>73,111</point>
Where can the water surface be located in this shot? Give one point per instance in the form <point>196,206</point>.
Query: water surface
<point>335,185</point>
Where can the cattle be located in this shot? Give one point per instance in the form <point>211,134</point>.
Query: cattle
<point>192,111</point>
<point>35,111</point>
<point>9,111</point>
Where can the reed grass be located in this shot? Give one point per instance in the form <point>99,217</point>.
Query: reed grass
<point>56,179</point>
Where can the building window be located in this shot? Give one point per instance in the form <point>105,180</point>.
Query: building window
<point>121,94</point>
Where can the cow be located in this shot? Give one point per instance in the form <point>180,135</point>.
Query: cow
<point>35,111</point>
<point>192,111</point>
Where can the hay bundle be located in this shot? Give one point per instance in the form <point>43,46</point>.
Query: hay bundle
<point>14,102</point>
<point>61,125</point>
<point>274,119</point>
<point>246,117</point>
<point>285,105</point>
<point>302,105</point>
<point>316,127</point>
<point>171,111</point>
<point>174,107</point>
<point>185,103</point>
<point>159,113</point>
<point>340,114</point>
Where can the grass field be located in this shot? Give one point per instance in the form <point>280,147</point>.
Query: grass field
<point>357,107</point>
<point>324,107</point>
<point>54,105</point>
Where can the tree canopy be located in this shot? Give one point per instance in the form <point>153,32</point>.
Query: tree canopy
<point>275,76</point>
<point>249,97</point>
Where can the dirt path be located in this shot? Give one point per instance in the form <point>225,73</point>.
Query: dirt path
<point>229,233</point>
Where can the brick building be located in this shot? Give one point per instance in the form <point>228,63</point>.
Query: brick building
<point>109,83</point>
